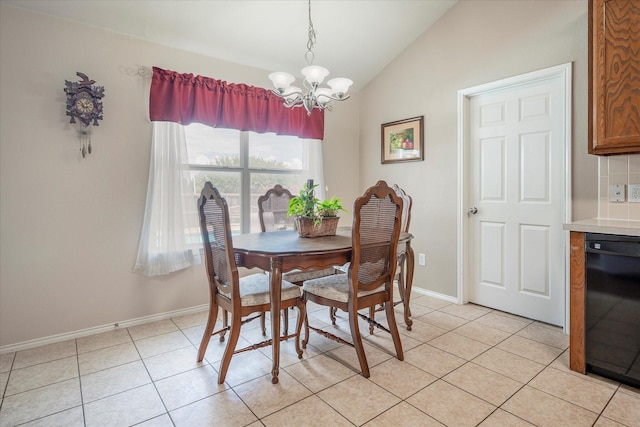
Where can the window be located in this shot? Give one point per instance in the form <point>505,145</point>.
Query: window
<point>244,165</point>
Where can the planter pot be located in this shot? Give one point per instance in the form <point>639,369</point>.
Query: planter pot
<point>326,227</point>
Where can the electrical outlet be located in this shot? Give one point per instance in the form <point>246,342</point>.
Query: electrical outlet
<point>616,193</point>
<point>634,193</point>
<point>422,259</point>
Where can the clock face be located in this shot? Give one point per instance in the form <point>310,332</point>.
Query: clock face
<point>84,105</point>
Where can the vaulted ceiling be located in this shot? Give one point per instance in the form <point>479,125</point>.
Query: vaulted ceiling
<point>355,38</point>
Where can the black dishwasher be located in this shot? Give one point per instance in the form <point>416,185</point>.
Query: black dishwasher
<point>612,307</point>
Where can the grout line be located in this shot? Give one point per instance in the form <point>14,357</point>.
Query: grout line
<point>84,416</point>
<point>328,353</point>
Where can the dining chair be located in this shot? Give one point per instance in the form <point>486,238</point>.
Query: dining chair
<point>407,202</point>
<point>402,260</point>
<point>239,296</point>
<point>402,257</point>
<point>272,211</point>
<point>369,278</point>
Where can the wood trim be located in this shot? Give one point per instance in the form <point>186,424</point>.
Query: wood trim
<point>576,303</point>
<point>591,134</point>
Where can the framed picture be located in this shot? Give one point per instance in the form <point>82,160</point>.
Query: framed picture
<point>403,140</point>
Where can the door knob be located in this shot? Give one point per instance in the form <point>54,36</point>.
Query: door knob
<point>473,210</point>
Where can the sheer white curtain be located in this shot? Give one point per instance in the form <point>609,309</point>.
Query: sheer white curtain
<point>170,212</point>
<point>170,207</point>
<point>314,166</point>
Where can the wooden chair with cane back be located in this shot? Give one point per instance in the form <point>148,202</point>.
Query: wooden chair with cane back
<point>369,279</point>
<point>272,211</point>
<point>239,296</point>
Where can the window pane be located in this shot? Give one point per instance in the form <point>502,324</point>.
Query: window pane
<point>228,184</point>
<point>260,161</point>
<point>271,151</point>
<point>261,182</point>
<point>212,146</point>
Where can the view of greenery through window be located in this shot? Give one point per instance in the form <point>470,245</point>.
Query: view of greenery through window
<point>243,166</point>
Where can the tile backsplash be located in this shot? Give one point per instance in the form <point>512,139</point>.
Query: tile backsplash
<point>624,169</point>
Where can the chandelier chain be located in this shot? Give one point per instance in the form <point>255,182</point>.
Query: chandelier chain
<point>309,56</point>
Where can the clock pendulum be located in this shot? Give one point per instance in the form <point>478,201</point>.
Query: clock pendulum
<point>85,140</point>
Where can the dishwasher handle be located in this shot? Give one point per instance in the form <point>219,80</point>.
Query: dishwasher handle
<point>617,248</point>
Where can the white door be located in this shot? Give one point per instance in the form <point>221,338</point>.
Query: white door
<point>516,199</point>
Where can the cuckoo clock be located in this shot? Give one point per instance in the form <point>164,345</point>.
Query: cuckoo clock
<point>84,106</point>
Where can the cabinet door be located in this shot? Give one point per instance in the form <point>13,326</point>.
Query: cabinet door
<point>614,77</point>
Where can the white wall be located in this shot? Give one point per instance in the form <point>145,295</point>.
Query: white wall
<point>475,42</point>
<point>69,226</point>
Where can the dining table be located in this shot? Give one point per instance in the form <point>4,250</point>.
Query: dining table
<point>281,251</point>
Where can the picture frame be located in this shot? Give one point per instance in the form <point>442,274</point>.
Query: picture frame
<point>403,140</point>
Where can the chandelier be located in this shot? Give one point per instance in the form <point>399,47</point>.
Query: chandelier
<point>313,96</point>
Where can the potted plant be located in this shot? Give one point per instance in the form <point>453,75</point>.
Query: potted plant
<point>314,218</point>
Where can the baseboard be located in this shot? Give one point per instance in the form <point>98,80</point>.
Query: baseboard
<point>438,295</point>
<point>99,329</point>
<point>25,345</point>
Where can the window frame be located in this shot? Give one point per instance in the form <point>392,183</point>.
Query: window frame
<point>246,173</point>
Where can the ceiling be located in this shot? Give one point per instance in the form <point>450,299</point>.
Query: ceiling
<point>355,38</point>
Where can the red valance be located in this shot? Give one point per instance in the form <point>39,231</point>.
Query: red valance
<point>185,99</point>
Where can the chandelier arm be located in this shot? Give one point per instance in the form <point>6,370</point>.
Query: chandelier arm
<point>299,95</point>
<point>286,95</point>
<point>289,99</point>
<point>335,98</point>
<point>309,86</point>
<point>293,104</point>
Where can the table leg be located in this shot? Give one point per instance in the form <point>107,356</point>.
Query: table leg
<point>408,283</point>
<point>275,292</point>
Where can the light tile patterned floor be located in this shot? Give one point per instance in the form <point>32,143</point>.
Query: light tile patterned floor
<point>465,365</point>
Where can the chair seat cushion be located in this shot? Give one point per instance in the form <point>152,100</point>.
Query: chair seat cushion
<point>254,290</point>
<point>335,287</point>
<point>300,276</point>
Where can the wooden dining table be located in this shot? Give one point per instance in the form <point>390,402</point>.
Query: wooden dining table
<point>282,251</point>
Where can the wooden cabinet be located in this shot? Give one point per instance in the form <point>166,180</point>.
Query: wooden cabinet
<point>614,76</point>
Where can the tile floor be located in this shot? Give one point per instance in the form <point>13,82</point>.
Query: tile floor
<point>464,366</point>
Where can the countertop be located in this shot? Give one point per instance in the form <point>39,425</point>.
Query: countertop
<point>605,226</point>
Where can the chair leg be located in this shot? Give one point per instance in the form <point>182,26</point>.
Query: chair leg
<point>305,341</point>
<point>332,315</point>
<point>234,334</point>
<point>402,287</point>
<point>225,323</point>
<point>302,316</point>
<point>372,316</point>
<point>401,283</point>
<point>393,328</point>
<point>262,324</point>
<point>409,268</point>
<point>285,321</point>
<point>357,341</point>
<point>208,330</point>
